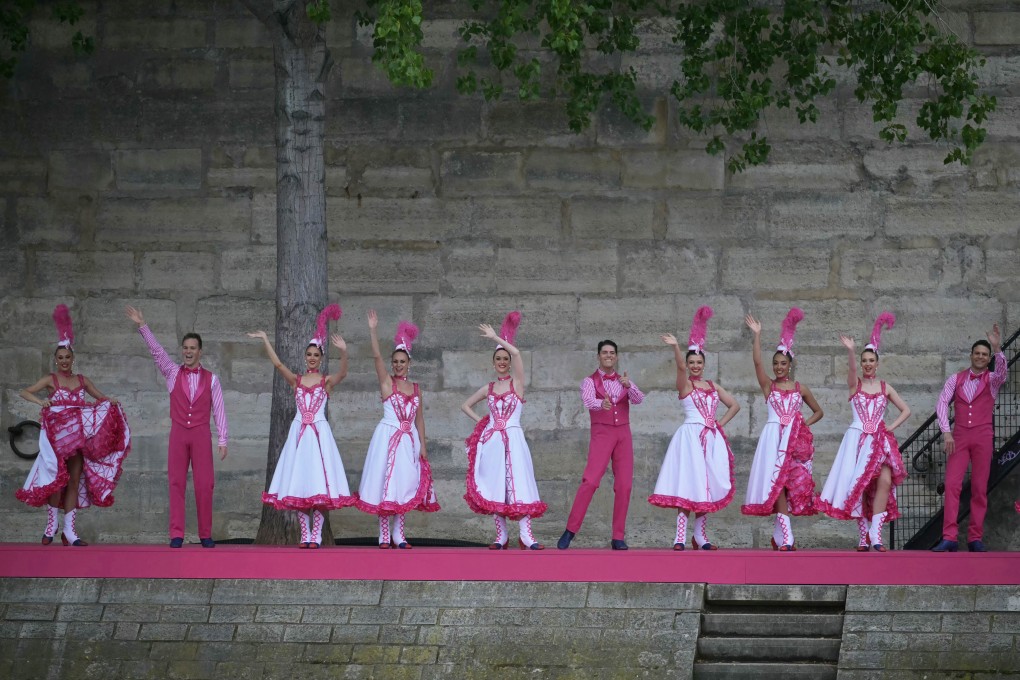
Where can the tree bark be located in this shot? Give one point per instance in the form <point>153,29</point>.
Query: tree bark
<point>302,63</point>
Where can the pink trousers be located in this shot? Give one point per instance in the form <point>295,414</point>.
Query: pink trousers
<point>190,447</point>
<point>608,443</point>
<point>973,447</point>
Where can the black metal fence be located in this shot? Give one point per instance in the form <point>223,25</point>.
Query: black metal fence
<point>920,497</point>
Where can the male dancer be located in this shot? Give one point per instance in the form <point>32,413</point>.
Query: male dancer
<point>971,440</point>
<point>607,396</point>
<point>191,400</point>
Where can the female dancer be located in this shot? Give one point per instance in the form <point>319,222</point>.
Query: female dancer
<point>781,480</point>
<point>697,472</point>
<point>82,445</point>
<point>309,474</point>
<point>396,478</point>
<point>868,466</point>
<point>500,477</point>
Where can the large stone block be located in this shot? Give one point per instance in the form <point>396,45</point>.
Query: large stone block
<point>887,269</point>
<point>177,74</point>
<point>756,269</point>
<point>681,169</point>
<point>800,167</point>
<point>538,218</point>
<point>483,594</point>
<point>13,275</point>
<point>522,270</point>
<point>823,321</point>
<point>911,599</point>
<point>563,170</point>
<point>431,119</point>
<point>367,119</point>
<point>530,123</point>
<point>173,271</point>
<point>158,169</point>
<point>712,217</point>
<point>631,322</point>
<point>398,180</point>
<point>974,216</point>
<point>263,218</point>
<point>167,221</point>
<point>96,271</point>
<point>252,74</point>
<point>23,175</point>
<point>596,220</point>
<point>102,325</point>
<point>252,268</point>
<point>469,370</point>
<point>548,319</point>
<point>225,318</point>
<point>470,173</point>
<point>818,217</point>
<point>944,323</point>
<point>56,219</point>
<point>243,33</point>
<point>80,170</point>
<point>237,591</point>
<point>996,28</point>
<point>397,270</point>
<point>263,179</point>
<point>667,268</point>
<point>420,219</point>
<point>155,34</point>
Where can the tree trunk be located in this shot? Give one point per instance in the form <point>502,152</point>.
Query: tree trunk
<point>302,63</point>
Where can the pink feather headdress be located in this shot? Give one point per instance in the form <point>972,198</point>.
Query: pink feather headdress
<point>508,331</point>
<point>406,334</point>
<point>65,329</point>
<point>698,334</point>
<point>330,313</point>
<point>887,319</point>
<point>789,330</point>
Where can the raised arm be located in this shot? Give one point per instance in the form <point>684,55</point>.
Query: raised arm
<point>683,383</point>
<point>94,392</point>
<point>759,369</point>
<point>468,406</point>
<point>167,366</point>
<point>287,374</point>
<point>898,402</point>
<point>28,394</point>
<point>334,379</point>
<point>516,362</point>
<point>816,410</point>
<point>851,363</point>
<point>998,376</point>
<point>385,381</point>
<point>732,407</point>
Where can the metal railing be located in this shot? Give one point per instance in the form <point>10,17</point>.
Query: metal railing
<point>920,497</point>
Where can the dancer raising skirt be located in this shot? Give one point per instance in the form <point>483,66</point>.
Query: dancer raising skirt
<point>82,445</point>
<point>781,481</point>
<point>697,472</point>
<point>500,477</point>
<point>868,467</point>
<point>396,477</point>
<point>309,476</point>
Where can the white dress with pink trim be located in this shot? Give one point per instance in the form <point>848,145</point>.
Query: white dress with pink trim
<point>849,490</point>
<point>697,471</point>
<point>500,476</point>
<point>70,426</point>
<point>782,459</point>
<point>309,472</point>
<point>395,479</point>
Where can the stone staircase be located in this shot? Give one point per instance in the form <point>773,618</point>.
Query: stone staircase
<point>770,632</point>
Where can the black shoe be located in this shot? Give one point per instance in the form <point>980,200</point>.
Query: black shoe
<point>208,543</point>
<point>176,542</point>
<point>945,545</point>
<point>976,546</point>
<point>565,540</point>
<point>619,544</point>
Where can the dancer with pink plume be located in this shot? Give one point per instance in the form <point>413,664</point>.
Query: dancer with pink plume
<point>868,466</point>
<point>780,481</point>
<point>396,477</point>
<point>697,471</point>
<point>82,445</point>
<point>309,476</point>
<point>500,476</point>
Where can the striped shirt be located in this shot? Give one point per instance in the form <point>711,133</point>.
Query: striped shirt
<point>996,379</point>
<point>613,388</point>
<point>171,369</point>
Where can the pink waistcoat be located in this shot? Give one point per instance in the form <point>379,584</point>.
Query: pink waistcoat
<point>187,413</point>
<point>618,415</point>
<point>976,413</point>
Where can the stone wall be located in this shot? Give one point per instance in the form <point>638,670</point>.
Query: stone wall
<point>144,175</point>
<point>901,633</point>
<point>191,629</point>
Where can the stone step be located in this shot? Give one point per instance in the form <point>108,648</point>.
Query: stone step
<point>763,671</point>
<point>768,649</point>
<point>755,624</point>
<point>799,596</point>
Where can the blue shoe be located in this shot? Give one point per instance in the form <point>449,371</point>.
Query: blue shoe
<point>619,544</point>
<point>976,546</point>
<point>208,543</point>
<point>945,545</point>
<point>176,542</point>
<point>565,540</point>
<point>404,545</point>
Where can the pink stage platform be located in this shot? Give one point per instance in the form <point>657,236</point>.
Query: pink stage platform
<point>805,567</point>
